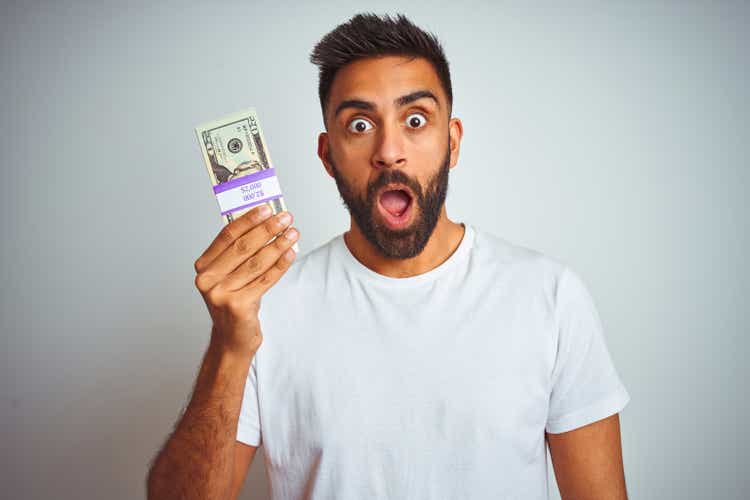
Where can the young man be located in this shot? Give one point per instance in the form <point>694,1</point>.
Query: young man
<point>410,357</point>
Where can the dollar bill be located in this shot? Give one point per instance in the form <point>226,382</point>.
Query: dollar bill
<point>239,165</point>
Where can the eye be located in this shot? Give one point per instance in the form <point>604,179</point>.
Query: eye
<point>416,120</point>
<point>359,125</point>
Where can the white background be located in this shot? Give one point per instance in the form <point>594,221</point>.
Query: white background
<point>613,136</point>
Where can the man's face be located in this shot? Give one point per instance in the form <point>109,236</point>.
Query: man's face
<point>388,129</point>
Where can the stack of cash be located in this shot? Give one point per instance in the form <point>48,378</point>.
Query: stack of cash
<point>239,165</point>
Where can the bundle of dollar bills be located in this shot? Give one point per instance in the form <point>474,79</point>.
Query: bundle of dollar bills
<point>239,165</point>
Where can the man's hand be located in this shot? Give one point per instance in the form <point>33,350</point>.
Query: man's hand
<point>234,272</point>
<point>237,269</point>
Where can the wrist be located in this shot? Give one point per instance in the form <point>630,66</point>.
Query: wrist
<point>220,348</point>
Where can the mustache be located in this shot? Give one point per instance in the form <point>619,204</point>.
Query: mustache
<point>393,177</point>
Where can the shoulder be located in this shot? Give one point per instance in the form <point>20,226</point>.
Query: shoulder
<point>532,275</point>
<point>563,288</point>
<point>499,253</point>
<point>528,272</point>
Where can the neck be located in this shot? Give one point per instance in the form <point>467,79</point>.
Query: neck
<point>442,243</point>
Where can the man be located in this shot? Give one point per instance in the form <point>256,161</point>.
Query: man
<point>410,357</point>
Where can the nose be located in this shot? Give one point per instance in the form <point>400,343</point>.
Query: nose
<point>389,151</point>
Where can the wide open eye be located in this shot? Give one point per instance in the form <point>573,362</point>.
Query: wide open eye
<point>359,125</point>
<point>416,120</point>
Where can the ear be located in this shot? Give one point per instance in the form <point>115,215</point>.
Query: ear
<point>455,133</point>
<point>323,152</point>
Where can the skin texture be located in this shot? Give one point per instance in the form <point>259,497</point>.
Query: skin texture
<point>198,458</point>
<point>401,243</point>
<point>588,461</point>
<point>243,458</point>
<point>389,148</point>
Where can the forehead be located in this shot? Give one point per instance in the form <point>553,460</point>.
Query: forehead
<point>382,79</point>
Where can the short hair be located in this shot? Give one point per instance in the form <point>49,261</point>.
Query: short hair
<point>369,35</point>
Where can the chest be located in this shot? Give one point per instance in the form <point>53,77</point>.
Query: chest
<point>476,380</point>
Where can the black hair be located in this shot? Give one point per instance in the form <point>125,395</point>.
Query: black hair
<point>369,35</point>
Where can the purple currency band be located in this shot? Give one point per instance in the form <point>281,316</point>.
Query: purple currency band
<point>253,192</point>
<point>247,179</point>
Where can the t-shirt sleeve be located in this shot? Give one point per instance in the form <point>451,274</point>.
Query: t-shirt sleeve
<point>248,426</point>
<point>585,383</point>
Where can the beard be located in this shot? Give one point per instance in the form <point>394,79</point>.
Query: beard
<point>406,242</point>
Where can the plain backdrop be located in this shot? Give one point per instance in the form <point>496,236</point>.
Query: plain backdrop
<point>612,136</point>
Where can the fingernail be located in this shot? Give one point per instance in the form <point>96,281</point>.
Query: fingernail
<point>285,218</point>
<point>265,211</point>
<point>291,234</point>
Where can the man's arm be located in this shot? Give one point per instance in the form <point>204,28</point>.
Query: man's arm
<point>240,265</point>
<point>588,461</point>
<point>197,460</point>
<point>243,457</point>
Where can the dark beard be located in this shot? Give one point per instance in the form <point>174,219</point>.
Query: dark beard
<point>409,241</point>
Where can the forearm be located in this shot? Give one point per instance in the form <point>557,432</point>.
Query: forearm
<point>196,461</point>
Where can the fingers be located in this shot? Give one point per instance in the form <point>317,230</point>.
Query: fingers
<point>230,233</point>
<point>266,266</point>
<point>241,249</point>
<point>269,278</point>
<point>247,298</point>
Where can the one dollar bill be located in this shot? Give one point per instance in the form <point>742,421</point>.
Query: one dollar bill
<point>239,165</point>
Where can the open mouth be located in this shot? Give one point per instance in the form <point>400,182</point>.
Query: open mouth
<point>395,206</point>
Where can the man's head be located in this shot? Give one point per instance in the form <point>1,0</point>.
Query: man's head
<point>368,35</point>
<point>386,99</point>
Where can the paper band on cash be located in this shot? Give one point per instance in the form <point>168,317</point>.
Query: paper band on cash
<point>248,191</point>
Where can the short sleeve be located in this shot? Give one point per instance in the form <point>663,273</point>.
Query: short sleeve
<point>248,426</point>
<point>585,383</point>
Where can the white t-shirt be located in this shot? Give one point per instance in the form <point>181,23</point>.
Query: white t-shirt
<point>438,386</point>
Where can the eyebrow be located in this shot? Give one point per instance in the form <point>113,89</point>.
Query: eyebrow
<point>401,101</point>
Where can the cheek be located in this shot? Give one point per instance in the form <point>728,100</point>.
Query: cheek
<point>427,143</point>
<point>349,150</point>
<point>358,151</point>
<point>353,170</point>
